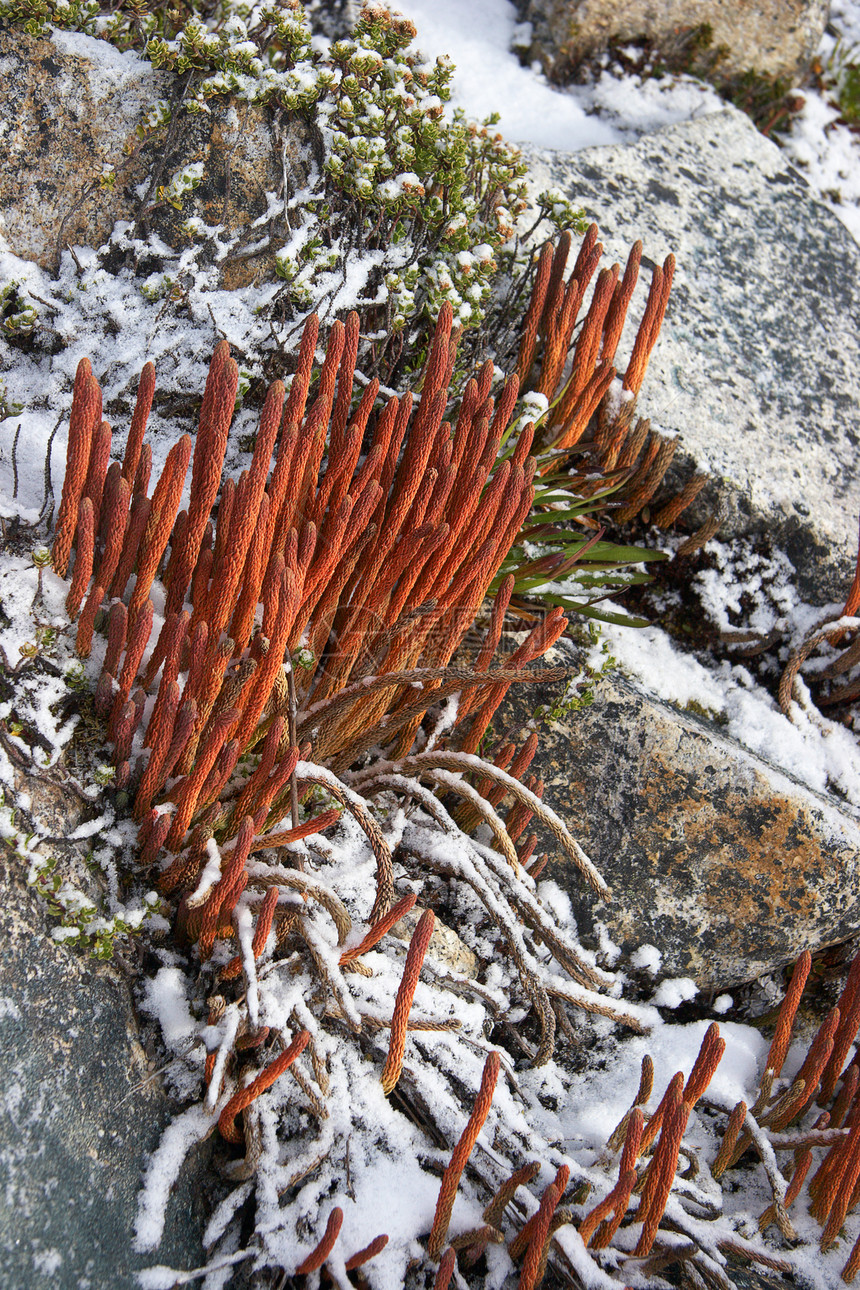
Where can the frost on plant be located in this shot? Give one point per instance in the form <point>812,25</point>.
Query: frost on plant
<point>305,1032</point>
<point>404,206</point>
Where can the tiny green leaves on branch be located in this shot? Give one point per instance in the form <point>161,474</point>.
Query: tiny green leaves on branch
<point>407,206</point>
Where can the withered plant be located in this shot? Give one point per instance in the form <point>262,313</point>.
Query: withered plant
<point>831,651</point>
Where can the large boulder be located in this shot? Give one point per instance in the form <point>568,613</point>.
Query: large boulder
<point>727,865</point>
<point>83,148</point>
<point>756,368</point>
<point>83,1104</point>
<point>773,40</point>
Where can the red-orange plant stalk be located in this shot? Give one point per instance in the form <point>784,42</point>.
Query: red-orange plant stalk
<point>461,1153</point>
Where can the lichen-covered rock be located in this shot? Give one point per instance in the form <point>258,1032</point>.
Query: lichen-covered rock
<point>69,106</point>
<point>774,40</point>
<point>87,141</point>
<point>729,867</point>
<point>756,367</point>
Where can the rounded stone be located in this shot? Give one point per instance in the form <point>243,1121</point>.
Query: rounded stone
<point>728,866</point>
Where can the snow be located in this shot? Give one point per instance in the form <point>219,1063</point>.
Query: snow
<point>162,1171</point>
<point>480,39</point>
<point>245,934</point>
<point>228,1030</point>
<point>845,18</point>
<point>477,37</point>
<point>557,1116</point>
<point>47,1262</point>
<point>106,56</point>
<point>9,1008</point>
<point>647,958</point>
<point>165,998</point>
<point>815,751</point>
<point>675,991</point>
<point>164,1278</point>
<point>209,875</point>
<point>640,106</point>
<point>824,149</point>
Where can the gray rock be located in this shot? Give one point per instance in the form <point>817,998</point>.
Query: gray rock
<point>773,39</point>
<point>730,867</point>
<point>75,1128</point>
<point>756,366</point>
<point>73,109</point>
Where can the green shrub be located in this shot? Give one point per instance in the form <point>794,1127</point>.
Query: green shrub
<point>407,207</point>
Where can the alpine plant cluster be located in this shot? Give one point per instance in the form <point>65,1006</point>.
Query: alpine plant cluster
<point>298,676</point>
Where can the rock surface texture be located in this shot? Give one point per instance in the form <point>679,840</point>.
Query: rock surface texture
<point>774,39</point>
<point>76,157</point>
<point>757,365</point>
<point>78,1122</point>
<point>729,867</point>
<point>445,946</point>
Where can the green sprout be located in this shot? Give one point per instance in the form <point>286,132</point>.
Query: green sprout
<point>579,692</point>
<point>17,316</point>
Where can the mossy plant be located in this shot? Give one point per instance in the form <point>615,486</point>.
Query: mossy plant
<point>8,406</point>
<point>840,77</point>
<point>18,317</point>
<point>407,206</point>
<point>579,691</point>
<point>767,100</point>
<point>79,920</point>
<point>80,923</point>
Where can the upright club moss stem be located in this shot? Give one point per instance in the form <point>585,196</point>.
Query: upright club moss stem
<point>462,1151</point>
<point>535,1259</point>
<point>785,1021</point>
<point>405,995</point>
<point>376,1246</point>
<point>85,419</point>
<point>318,1256</point>
<point>445,1270</point>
